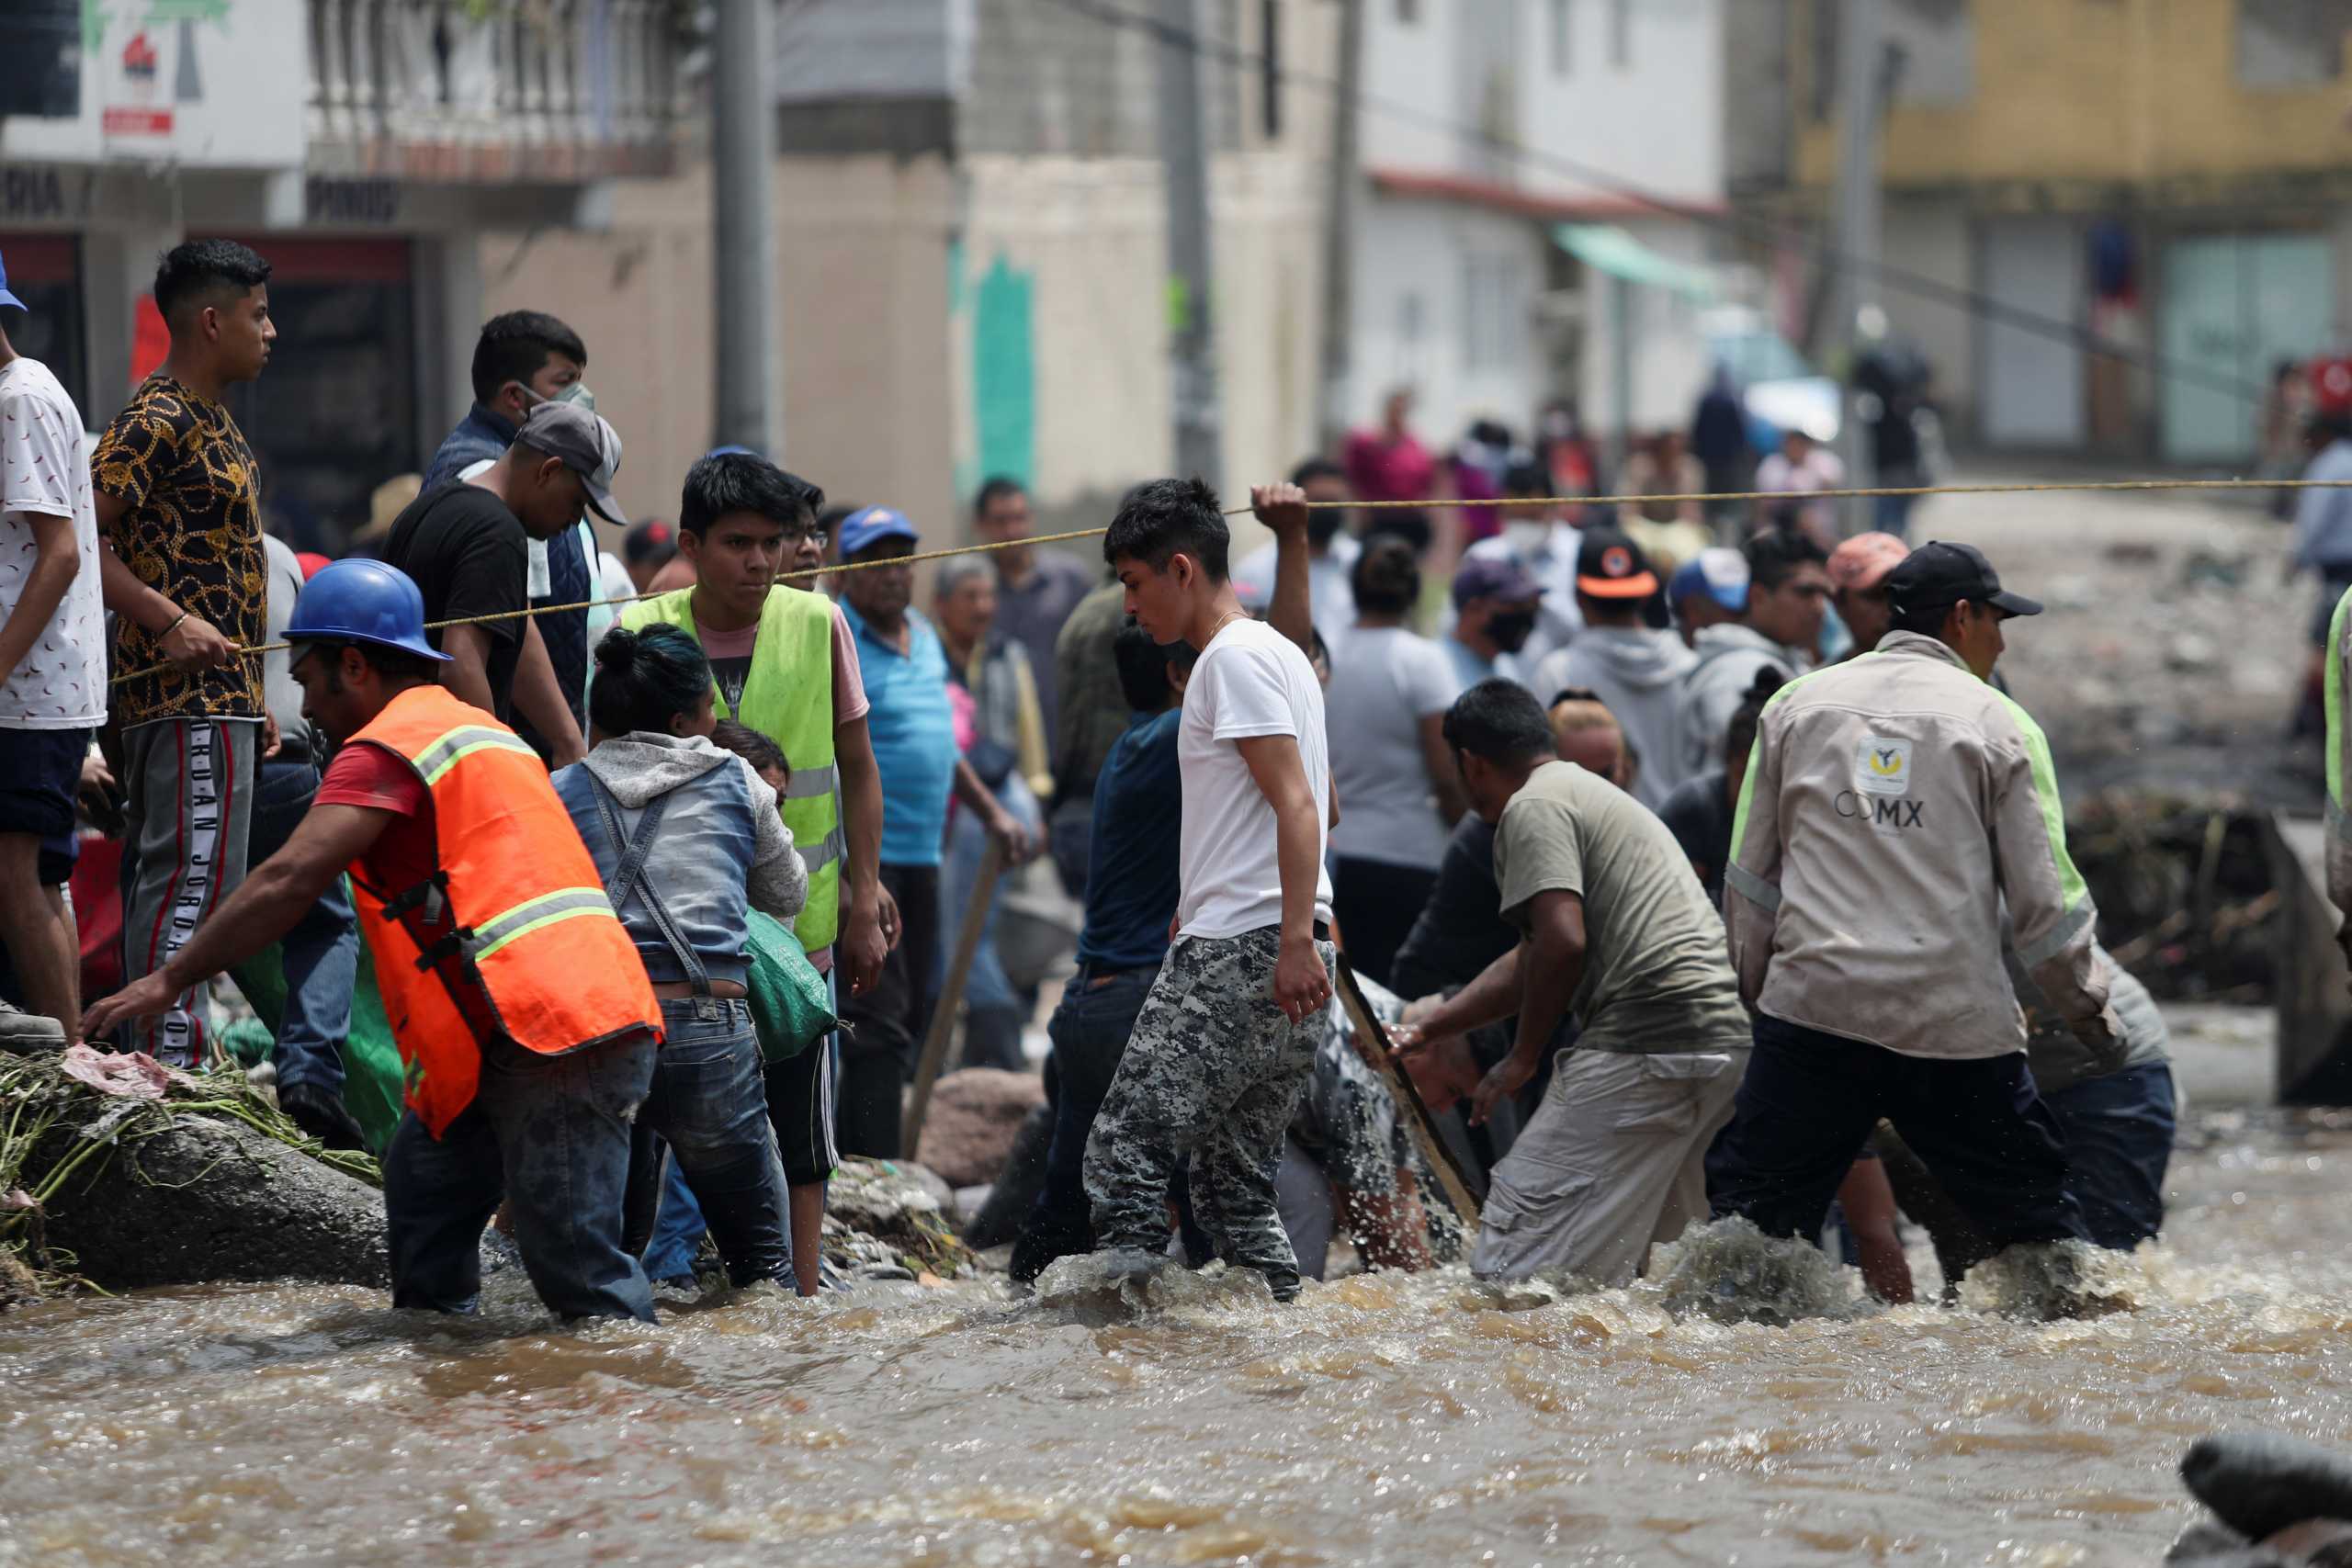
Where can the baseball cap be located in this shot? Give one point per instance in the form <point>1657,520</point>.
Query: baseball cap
<point>1721,574</point>
<point>1493,577</point>
<point>653,539</point>
<point>870,525</point>
<point>1937,574</point>
<point>585,444</point>
<point>1862,562</point>
<point>1611,566</point>
<point>6,298</point>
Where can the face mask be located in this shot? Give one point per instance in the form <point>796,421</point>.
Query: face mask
<point>1323,527</point>
<point>1510,632</point>
<point>1526,535</point>
<point>577,392</point>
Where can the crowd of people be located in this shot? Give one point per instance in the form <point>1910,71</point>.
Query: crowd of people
<point>1698,866</point>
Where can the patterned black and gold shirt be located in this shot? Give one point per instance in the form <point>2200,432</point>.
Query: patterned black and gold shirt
<point>192,533</point>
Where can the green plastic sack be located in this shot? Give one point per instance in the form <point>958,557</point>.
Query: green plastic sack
<point>373,1079</point>
<point>789,1011</point>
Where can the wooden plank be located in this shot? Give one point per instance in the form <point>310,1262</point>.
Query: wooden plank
<point>1372,1043</point>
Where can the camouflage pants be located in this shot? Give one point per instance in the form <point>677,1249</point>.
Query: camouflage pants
<point>1211,1075</point>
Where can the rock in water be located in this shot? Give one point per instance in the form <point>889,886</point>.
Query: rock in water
<point>2259,1482</point>
<point>974,1120</point>
<point>208,1198</point>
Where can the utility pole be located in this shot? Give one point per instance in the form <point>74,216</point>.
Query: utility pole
<point>1338,231</point>
<point>1184,149</point>
<point>1860,64</point>
<point>742,143</point>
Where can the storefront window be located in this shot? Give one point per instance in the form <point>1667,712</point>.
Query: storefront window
<point>45,272</point>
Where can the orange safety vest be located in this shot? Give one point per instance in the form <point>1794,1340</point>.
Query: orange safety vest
<point>531,919</point>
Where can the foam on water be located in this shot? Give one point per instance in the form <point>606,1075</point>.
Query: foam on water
<point>1130,1283</point>
<point>2043,1281</point>
<point>1733,1272</point>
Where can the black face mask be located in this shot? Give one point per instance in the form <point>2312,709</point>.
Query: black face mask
<point>1323,526</point>
<point>1511,631</point>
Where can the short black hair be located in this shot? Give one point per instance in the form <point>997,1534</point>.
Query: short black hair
<point>751,745</point>
<point>1143,668</point>
<point>1499,720</point>
<point>738,482</point>
<point>996,487</point>
<point>645,678</point>
<point>1740,738</point>
<point>1927,620</point>
<point>1162,517</point>
<point>1527,477</point>
<point>392,663</point>
<point>187,274</point>
<point>1774,555</point>
<point>1409,524</point>
<point>515,346</point>
<point>1313,468</point>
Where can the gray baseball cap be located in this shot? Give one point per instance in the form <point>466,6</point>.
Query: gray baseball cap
<point>586,444</point>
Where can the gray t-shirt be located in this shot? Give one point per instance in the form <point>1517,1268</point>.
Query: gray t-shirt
<point>1656,977</point>
<point>279,688</point>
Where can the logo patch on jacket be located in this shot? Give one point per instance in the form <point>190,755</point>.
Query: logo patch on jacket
<point>1882,766</point>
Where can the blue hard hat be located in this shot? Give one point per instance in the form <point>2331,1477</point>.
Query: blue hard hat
<point>362,601</point>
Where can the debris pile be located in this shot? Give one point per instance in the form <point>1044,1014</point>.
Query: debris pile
<point>2185,894</point>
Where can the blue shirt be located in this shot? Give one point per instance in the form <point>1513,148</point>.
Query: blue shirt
<point>1469,669</point>
<point>914,732</point>
<point>480,434</point>
<point>2323,517</point>
<point>1131,883</point>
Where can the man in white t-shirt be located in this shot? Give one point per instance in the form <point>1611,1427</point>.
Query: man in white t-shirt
<point>1227,1039</point>
<point>53,682</point>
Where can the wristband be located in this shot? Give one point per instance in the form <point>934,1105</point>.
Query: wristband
<point>167,631</point>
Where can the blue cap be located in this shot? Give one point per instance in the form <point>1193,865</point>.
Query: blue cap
<point>6,298</point>
<point>362,601</point>
<point>870,526</point>
<point>1500,577</point>
<point>1719,573</point>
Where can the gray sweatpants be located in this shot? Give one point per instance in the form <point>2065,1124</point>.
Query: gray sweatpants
<point>1211,1075</point>
<point>1613,1160</point>
<point>188,784</point>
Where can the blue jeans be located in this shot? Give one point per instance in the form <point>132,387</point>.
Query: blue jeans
<point>550,1136</point>
<point>709,1104</point>
<point>2118,1141</point>
<point>1810,1099</point>
<point>320,955</point>
<point>1090,1032</point>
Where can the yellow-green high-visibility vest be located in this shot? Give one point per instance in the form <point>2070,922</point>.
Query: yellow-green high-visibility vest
<point>788,697</point>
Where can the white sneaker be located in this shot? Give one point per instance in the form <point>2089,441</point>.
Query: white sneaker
<point>22,1030</point>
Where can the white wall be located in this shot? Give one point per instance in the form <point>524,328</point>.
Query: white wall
<point>1422,269</point>
<point>1411,64</point>
<point>1669,353</point>
<point>1653,121</point>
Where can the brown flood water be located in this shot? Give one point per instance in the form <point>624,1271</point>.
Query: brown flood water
<point>1384,1420</point>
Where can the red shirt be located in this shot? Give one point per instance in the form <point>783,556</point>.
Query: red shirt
<point>405,853</point>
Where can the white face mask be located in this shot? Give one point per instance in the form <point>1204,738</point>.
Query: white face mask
<point>577,392</point>
<point>1526,535</point>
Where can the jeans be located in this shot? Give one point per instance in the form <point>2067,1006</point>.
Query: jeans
<point>994,1012</point>
<point>2118,1141</point>
<point>320,955</point>
<point>887,1024</point>
<point>709,1105</point>
<point>550,1136</point>
<point>1090,1031</point>
<point>1811,1100</point>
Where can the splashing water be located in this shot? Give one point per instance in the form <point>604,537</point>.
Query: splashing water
<point>1383,1420</point>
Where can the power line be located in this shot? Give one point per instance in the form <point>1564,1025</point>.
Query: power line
<point>1972,301</point>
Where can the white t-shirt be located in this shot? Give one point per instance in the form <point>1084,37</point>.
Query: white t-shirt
<point>45,467</point>
<point>1389,681</point>
<point>1331,603</point>
<point>1250,681</point>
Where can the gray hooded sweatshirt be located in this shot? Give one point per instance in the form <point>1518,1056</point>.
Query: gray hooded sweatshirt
<point>1726,658</point>
<point>1638,673</point>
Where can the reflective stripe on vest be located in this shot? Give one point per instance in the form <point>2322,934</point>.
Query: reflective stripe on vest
<point>792,657</point>
<point>556,966</point>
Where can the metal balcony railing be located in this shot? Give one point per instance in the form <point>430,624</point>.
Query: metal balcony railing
<point>493,89</point>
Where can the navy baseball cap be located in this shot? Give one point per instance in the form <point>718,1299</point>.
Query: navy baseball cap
<point>1495,576</point>
<point>864,529</point>
<point>6,298</point>
<point>1937,575</point>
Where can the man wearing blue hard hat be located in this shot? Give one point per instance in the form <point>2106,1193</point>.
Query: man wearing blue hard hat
<point>913,729</point>
<point>52,684</point>
<point>523,1012</point>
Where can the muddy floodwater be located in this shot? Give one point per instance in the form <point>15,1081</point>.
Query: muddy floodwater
<point>1384,1420</point>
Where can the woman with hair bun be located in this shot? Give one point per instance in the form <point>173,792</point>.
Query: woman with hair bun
<point>687,836</point>
<point>1398,792</point>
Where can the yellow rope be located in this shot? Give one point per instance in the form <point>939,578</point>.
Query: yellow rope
<point>2047,487</point>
